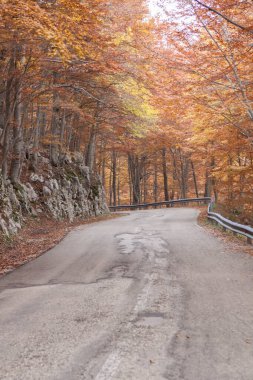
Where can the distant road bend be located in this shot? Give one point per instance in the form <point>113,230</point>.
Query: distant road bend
<point>150,295</point>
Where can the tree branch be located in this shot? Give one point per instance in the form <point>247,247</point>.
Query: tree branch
<point>223,16</point>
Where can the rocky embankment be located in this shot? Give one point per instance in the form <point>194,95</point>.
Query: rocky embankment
<point>68,191</point>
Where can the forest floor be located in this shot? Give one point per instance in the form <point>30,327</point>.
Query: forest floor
<point>233,242</point>
<point>242,217</point>
<point>37,237</point>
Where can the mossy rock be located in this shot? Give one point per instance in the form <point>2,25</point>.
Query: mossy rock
<point>70,174</point>
<point>95,190</point>
<point>18,187</point>
<point>16,217</point>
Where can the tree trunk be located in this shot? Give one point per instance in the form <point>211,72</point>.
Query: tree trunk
<point>194,179</point>
<point>135,177</point>
<point>208,185</point>
<point>209,181</point>
<point>184,165</point>
<point>62,133</point>
<point>118,189</point>
<point>114,178</point>
<point>36,142</point>
<point>155,186</point>
<point>145,184</point>
<point>130,181</point>
<point>176,174</point>
<point>103,172</point>
<point>165,175</point>
<point>8,114</point>
<point>91,149</point>
<point>55,130</point>
<point>15,170</point>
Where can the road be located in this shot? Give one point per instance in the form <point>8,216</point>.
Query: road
<point>150,295</point>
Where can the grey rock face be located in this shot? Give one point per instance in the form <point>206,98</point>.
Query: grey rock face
<point>69,192</point>
<point>36,178</point>
<point>46,191</point>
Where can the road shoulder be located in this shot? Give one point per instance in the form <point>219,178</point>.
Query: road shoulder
<point>36,238</point>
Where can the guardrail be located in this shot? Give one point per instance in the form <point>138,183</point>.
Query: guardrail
<point>157,204</point>
<point>227,224</point>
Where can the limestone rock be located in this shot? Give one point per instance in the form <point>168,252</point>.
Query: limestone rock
<point>69,192</point>
<point>46,191</point>
<point>36,178</point>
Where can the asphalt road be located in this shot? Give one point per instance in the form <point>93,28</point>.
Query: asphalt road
<point>150,295</point>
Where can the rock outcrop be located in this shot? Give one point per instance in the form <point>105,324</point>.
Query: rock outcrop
<point>69,191</point>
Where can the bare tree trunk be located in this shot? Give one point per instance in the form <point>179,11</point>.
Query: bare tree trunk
<point>184,165</point>
<point>176,174</point>
<point>62,133</point>
<point>118,188</point>
<point>155,187</point>
<point>103,172</point>
<point>165,175</point>
<point>55,130</point>
<point>145,184</point>
<point>110,184</point>
<point>135,177</point>
<point>15,169</point>
<point>209,181</point>
<point>68,131</point>
<point>36,142</point>
<point>194,179</point>
<point>114,178</point>
<point>208,185</point>
<point>5,137</point>
<point>91,149</point>
<point>130,181</point>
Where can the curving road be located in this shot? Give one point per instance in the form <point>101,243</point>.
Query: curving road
<point>150,295</point>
